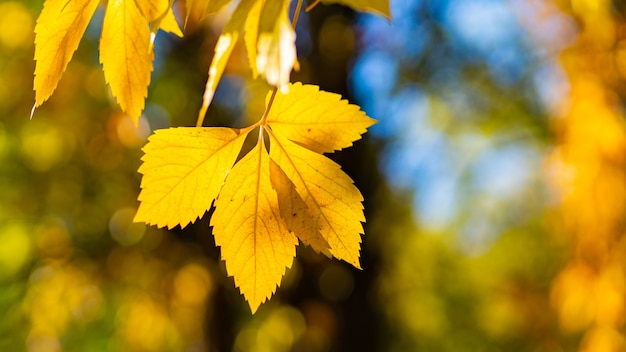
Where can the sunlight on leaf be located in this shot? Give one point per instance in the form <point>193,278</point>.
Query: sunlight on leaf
<point>330,195</point>
<point>295,212</point>
<point>59,29</point>
<point>318,120</point>
<point>276,45</point>
<point>223,49</point>
<point>255,243</point>
<point>126,56</point>
<point>183,170</point>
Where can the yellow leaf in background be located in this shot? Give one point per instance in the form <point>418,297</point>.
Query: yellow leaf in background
<point>255,243</point>
<point>276,45</point>
<point>183,170</point>
<point>126,55</point>
<point>198,10</point>
<point>160,16</point>
<point>170,25</point>
<point>318,120</point>
<point>59,28</point>
<point>224,47</point>
<point>295,212</point>
<point>333,202</point>
<point>251,34</point>
<point>380,7</point>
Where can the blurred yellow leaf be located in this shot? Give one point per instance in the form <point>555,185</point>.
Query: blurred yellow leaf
<point>380,7</point>
<point>169,24</point>
<point>318,120</point>
<point>183,170</point>
<point>198,10</point>
<point>251,34</point>
<point>223,49</point>
<point>59,28</point>
<point>255,243</point>
<point>126,55</point>
<point>276,44</point>
<point>160,16</point>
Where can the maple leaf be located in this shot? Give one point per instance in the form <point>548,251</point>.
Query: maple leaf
<point>59,28</point>
<point>267,200</point>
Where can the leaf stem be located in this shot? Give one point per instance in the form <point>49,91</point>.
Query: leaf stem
<point>263,122</point>
<point>310,7</point>
<point>296,14</point>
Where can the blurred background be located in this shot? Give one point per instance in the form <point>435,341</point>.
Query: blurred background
<point>494,184</point>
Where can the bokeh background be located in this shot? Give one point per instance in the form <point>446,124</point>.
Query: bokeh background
<point>494,184</point>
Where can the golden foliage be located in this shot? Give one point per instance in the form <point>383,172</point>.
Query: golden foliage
<point>268,199</point>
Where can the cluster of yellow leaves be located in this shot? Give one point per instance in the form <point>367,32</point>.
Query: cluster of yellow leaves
<point>126,51</point>
<point>269,38</point>
<point>267,200</point>
<point>281,191</point>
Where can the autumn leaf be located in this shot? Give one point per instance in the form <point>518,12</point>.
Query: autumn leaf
<point>59,28</point>
<point>160,16</point>
<point>276,44</point>
<point>126,55</point>
<point>224,47</point>
<point>295,212</point>
<point>380,7</point>
<point>183,170</point>
<point>332,200</point>
<point>318,120</point>
<point>254,241</point>
<point>198,10</point>
<point>267,201</point>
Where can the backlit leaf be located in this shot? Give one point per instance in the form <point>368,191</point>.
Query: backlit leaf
<point>295,212</point>
<point>334,203</point>
<point>170,25</point>
<point>59,28</point>
<point>224,47</point>
<point>380,7</point>
<point>160,16</point>
<point>255,243</point>
<point>198,10</point>
<point>183,170</point>
<point>318,120</point>
<point>276,44</point>
<point>251,34</point>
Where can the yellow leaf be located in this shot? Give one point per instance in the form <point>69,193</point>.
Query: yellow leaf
<point>380,7</point>
<point>198,10</point>
<point>224,47</point>
<point>170,25</point>
<point>251,34</point>
<point>160,16</point>
<point>59,28</point>
<point>183,170</point>
<point>254,241</point>
<point>333,202</point>
<point>276,45</point>
<point>318,120</point>
<point>153,10</point>
<point>295,212</point>
<point>126,55</point>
